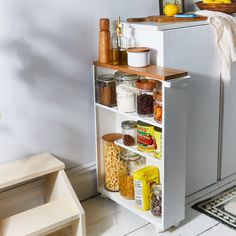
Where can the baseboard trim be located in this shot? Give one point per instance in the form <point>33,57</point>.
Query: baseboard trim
<point>83,179</point>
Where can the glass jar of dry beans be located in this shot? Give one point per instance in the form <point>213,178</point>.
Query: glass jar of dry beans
<point>145,96</point>
<point>111,161</point>
<point>129,163</point>
<point>156,200</point>
<point>129,130</point>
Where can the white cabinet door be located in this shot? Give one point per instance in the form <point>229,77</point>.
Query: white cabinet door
<point>193,49</point>
<point>229,127</point>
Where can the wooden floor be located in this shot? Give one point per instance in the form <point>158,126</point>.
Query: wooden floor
<point>106,218</point>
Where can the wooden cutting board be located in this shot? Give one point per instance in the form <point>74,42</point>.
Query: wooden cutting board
<point>165,19</point>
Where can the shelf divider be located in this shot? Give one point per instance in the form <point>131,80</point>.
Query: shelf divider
<point>149,156</point>
<point>130,205</point>
<point>132,115</point>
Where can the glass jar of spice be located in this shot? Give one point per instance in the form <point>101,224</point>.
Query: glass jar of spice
<point>129,130</point>
<point>106,90</point>
<point>129,163</point>
<point>126,91</point>
<point>156,200</point>
<point>157,106</point>
<point>145,96</point>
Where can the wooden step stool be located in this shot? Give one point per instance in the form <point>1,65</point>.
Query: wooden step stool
<point>46,206</point>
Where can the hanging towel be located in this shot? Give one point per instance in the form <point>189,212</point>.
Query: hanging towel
<point>225,28</point>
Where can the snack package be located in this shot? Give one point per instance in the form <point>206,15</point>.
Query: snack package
<point>143,180</point>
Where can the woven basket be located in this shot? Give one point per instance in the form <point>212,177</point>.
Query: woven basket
<point>228,8</point>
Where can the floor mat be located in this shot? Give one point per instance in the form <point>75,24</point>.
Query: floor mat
<point>221,207</point>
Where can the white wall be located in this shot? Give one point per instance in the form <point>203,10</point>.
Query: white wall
<point>46,51</point>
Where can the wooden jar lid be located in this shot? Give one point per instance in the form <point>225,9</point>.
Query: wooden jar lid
<point>111,137</point>
<point>104,24</point>
<point>146,84</point>
<point>139,49</point>
<point>157,95</point>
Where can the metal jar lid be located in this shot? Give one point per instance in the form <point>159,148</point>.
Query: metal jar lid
<point>107,78</point>
<point>156,189</point>
<point>129,156</point>
<point>122,76</point>
<point>129,124</point>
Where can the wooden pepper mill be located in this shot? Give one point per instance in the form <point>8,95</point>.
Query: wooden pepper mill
<point>104,41</point>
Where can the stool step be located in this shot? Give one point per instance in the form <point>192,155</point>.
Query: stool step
<point>29,168</point>
<point>41,220</point>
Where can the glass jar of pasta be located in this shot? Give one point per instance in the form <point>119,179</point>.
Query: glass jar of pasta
<point>129,163</point>
<point>111,161</point>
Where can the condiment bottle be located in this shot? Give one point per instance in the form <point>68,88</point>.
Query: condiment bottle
<point>145,96</point>
<point>157,106</point>
<point>104,41</point>
<point>156,200</point>
<point>119,46</point>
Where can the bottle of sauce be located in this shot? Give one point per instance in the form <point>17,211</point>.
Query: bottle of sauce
<point>119,46</point>
<point>104,41</point>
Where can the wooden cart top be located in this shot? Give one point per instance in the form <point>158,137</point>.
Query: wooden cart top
<point>152,71</point>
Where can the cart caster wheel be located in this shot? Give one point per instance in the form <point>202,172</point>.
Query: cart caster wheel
<point>103,196</point>
<point>159,230</point>
<point>177,225</point>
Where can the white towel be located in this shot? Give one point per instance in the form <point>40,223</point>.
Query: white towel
<point>225,28</point>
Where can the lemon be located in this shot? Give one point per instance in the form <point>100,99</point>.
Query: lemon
<point>171,9</point>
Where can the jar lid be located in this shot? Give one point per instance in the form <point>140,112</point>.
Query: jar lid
<point>146,84</point>
<point>156,189</point>
<point>122,76</point>
<point>157,95</point>
<point>129,156</point>
<point>138,49</point>
<point>111,137</point>
<point>129,124</point>
<point>107,78</point>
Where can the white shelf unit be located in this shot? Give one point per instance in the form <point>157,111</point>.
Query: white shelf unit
<point>172,164</point>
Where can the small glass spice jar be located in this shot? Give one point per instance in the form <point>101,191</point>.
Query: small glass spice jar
<point>129,131</point>
<point>106,89</point>
<point>145,97</point>
<point>129,163</point>
<point>156,200</point>
<point>126,91</point>
<point>157,106</point>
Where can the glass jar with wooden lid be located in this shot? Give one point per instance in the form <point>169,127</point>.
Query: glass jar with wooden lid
<point>111,154</point>
<point>157,106</point>
<point>145,96</point>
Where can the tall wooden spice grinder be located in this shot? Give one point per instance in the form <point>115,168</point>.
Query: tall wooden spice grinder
<point>104,41</point>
